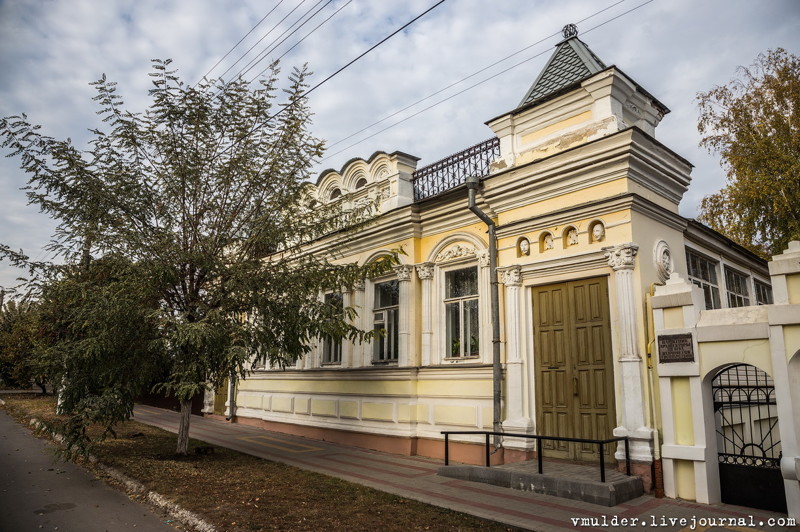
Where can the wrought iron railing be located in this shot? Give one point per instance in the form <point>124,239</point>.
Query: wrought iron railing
<point>452,171</point>
<point>539,455</point>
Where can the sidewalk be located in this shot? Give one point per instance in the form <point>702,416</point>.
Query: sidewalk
<point>415,478</point>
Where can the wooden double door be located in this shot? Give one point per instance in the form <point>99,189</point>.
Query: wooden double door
<point>573,366</point>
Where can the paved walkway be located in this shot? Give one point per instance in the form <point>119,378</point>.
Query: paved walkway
<point>415,478</point>
<point>38,492</point>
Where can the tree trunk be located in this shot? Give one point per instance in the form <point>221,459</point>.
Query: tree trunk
<point>183,429</point>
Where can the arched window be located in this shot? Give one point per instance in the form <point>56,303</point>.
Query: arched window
<point>335,193</point>
<point>361,183</point>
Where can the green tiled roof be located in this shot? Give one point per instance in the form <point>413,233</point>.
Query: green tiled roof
<point>570,63</point>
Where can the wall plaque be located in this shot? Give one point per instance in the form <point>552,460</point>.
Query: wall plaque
<point>675,348</point>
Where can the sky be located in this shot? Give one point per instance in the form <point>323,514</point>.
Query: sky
<point>50,50</point>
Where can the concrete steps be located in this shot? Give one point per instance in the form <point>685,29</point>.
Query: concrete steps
<point>560,479</point>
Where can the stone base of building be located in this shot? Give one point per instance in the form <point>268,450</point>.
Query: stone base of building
<point>644,470</point>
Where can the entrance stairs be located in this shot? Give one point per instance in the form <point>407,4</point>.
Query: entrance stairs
<point>560,478</point>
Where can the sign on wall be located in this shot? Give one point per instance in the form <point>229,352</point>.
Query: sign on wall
<point>675,348</point>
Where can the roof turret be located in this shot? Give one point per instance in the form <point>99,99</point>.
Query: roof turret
<point>571,63</point>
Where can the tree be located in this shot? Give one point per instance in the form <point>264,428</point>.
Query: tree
<point>200,205</point>
<point>18,334</point>
<point>753,122</point>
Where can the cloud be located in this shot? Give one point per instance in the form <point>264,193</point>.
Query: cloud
<point>50,51</point>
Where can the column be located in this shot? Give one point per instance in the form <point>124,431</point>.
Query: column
<point>622,259</point>
<point>348,346</point>
<point>515,421</point>
<point>485,305</point>
<point>425,274</point>
<point>403,337</point>
<point>360,349</point>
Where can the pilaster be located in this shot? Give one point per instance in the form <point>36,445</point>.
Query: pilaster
<point>403,333</point>
<point>425,274</point>
<point>622,259</point>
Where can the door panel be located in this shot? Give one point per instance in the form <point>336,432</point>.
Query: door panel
<point>572,364</point>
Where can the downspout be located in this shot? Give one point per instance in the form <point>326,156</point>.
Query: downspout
<point>497,373</point>
<point>231,398</point>
<point>658,472</point>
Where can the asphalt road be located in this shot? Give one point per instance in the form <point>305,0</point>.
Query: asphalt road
<point>39,493</point>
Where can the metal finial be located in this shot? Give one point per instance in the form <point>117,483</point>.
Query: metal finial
<point>570,30</point>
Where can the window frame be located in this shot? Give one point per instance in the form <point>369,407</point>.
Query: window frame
<point>331,347</point>
<point>711,288</point>
<point>766,289</point>
<point>462,314</point>
<point>737,293</point>
<point>379,344</point>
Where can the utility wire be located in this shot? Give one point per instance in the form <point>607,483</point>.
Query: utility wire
<point>252,64</point>
<point>265,36</point>
<point>305,37</point>
<point>484,69</point>
<point>404,26</point>
<point>240,41</point>
<point>473,85</point>
<point>318,85</point>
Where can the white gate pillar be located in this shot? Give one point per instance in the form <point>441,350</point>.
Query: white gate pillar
<point>622,259</point>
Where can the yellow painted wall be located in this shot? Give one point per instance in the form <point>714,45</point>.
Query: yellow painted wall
<point>476,388</point>
<point>301,405</point>
<point>282,403</point>
<point>715,354</point>
<point>791,339</point>
<point>339,387</point>
<point>377,411</point>
<point>673,318</point>
<point>545,131</point>
<point>793,287</point>
<point>348,409</point>
<point>682,411</point>
<point>684,480</point>
<point>455,415</point>
<point>569,200</point>
<point>323,407</point>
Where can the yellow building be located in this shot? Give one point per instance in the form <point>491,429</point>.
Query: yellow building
<point>584,204</point>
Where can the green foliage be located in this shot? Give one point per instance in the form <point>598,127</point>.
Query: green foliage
<point>754,125</point>
<point>19,365</point>
<point>199,208</point>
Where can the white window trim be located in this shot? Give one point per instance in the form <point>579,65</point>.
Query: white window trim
<point>440,354</point>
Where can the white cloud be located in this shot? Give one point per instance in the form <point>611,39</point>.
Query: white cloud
<point>50,51</point>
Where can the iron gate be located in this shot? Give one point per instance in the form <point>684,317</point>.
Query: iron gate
<point>748,439</point>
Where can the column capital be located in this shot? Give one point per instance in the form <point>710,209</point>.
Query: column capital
<point>512,277</point>
<point>425,271</point>
<point>403,272</point>
<point>622,256</point>
<point>483,259</point>
<point>359,285</point>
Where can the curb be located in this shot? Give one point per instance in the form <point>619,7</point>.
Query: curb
<point>135,488</point>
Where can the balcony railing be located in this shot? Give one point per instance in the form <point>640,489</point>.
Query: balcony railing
<point>452,171</point>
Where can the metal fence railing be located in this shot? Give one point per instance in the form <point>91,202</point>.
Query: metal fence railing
<point>539,454</point>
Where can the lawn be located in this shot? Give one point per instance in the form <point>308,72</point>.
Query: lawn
<point>238,492</point>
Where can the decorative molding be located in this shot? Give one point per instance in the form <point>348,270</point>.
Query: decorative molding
<point>483,259</point>
<point>455,252</point>
<point>359,285</point>
<point>425,271</point>
<point>662,258</point>
<point>622,257</point>
<point>512,276</point>
<point>404,272</point>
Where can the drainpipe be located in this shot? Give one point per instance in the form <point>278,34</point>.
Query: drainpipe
<point>497,375</point>
<point>231,397</point>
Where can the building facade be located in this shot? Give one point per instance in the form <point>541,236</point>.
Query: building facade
<point>584,201</point>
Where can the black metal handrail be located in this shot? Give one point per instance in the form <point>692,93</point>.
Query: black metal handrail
<point>453,170</point>
<point>539,455</point>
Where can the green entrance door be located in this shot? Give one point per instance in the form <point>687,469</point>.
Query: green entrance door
<point>573,366</point>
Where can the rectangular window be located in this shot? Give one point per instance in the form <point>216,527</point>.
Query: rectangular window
<point>703,273</point>
<point>763,293</point>
<point>461,313</point>
<point>736,286</point>
<point>385,318</point>
<point>332,347</point>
